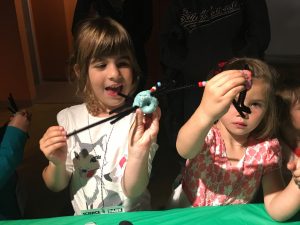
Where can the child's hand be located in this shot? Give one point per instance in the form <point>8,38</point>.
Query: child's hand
<point>294,167</point>
<point>143,132</point>
<point>220,91</point>
<point>20,120</point>
<point>54,145</point>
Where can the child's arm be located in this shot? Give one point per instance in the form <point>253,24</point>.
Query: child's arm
<point>142,134</point>
<point>282,203</point>
<point>54,146</point>
<point>217,97</point>
<point>12,144</point>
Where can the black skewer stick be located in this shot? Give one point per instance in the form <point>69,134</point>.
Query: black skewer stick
<point>128,102</point>
<point>124,113</point>
<point>169,85</point>
<point>119,109</point>
<point>126,109</point>
<point>114,119</point>
<point>11,110</point>
<point>239,105</point>
<point>92,125</point>
<point>129,99</point>
<point>12,106</point>
<point>161,91</point>
<point>124,96</point>
<point>167,91</point>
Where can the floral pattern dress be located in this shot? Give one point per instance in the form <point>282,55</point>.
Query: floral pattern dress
<point>209,179</point>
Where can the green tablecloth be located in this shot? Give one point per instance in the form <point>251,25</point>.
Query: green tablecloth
<point>251,214</point>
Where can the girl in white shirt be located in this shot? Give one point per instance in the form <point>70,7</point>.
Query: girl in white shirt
<point>108,165</point>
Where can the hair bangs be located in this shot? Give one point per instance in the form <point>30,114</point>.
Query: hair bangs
<point>110,41</point>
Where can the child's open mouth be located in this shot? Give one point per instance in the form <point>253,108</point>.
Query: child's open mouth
<point>114,90</point>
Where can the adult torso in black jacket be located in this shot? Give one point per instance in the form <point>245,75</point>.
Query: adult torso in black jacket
<point>199,33</point>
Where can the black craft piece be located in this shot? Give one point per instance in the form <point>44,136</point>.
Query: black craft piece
<point>12,106</point>
<point>240,104</point>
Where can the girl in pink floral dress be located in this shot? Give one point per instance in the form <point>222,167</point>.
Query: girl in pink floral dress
<point>229,152</point>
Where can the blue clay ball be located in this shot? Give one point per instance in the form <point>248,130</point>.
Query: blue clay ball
<point>146,102</point>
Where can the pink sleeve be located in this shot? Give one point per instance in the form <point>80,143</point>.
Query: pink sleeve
<point>273,159</point>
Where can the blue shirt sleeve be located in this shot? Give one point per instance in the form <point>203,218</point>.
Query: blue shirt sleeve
<point>11,152</point>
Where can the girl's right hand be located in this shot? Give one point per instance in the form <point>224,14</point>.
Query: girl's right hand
<point>21,120</point>
<point>221,90</point>
<point>54,145</point>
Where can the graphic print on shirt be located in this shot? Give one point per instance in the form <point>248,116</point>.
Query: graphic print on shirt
<point>97,187</point>
<point>192,20</point>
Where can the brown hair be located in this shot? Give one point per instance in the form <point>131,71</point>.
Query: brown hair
<point>261,70</point>
<point>97,38</point>
<point>287,95</point>
<point>289,90</point>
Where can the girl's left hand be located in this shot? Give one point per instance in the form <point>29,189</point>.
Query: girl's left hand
<point>294,167</point>
<point>143,132</point>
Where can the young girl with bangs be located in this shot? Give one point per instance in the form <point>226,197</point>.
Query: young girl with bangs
<point>107,166</point>
<point>230,153</point>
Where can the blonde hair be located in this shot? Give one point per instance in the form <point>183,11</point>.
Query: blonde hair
<point>97,38</point>
<point>261,70</point>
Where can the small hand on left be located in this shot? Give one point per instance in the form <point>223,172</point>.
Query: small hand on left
<point>21,120</point>
<point>144,131</point>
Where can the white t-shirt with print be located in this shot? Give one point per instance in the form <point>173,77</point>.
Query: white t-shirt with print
<point>97,158</point>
